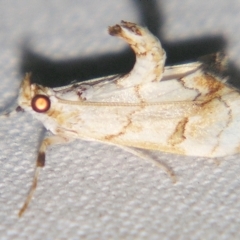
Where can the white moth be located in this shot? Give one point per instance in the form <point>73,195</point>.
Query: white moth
<point>184,109</point>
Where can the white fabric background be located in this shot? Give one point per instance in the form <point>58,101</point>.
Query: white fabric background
<point>93,191</point>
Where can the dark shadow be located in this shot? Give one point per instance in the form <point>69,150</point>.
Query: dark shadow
<point>177,52</point>
<point>150,16</point>
<point>192,49</point>
<point>58,73</point>
<point>234,75</point>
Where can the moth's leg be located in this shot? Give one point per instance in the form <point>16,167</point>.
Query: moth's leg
<point>146,157</point>
<point>150,56</point>
<point>39,164</point>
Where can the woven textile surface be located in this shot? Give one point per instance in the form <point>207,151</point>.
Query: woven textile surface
<point>89,190</point>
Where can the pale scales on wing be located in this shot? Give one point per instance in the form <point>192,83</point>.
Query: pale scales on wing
<point>183,109</point>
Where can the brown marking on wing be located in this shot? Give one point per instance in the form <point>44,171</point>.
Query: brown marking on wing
<point>137,91</point>
<point>158,71</point>
<point>205,118</point>
<point>178,135</point>
<point>157,55</point>
<point>198,93</point>
<point>129,125</point>
<point>230,118</point>
<point>110,137</point>
<point>207,87</point>
<point>209,83</point>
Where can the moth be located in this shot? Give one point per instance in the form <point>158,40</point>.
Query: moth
<point>185,109</point>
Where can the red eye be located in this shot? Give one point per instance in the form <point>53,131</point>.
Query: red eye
<point>41,103</point>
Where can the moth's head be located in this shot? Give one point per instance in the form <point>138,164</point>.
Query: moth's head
<point>33,97</point>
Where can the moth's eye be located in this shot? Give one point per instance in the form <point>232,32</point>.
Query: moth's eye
<point>41,103</point>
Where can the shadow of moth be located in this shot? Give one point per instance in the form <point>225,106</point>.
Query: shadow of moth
<point>184,109</point>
